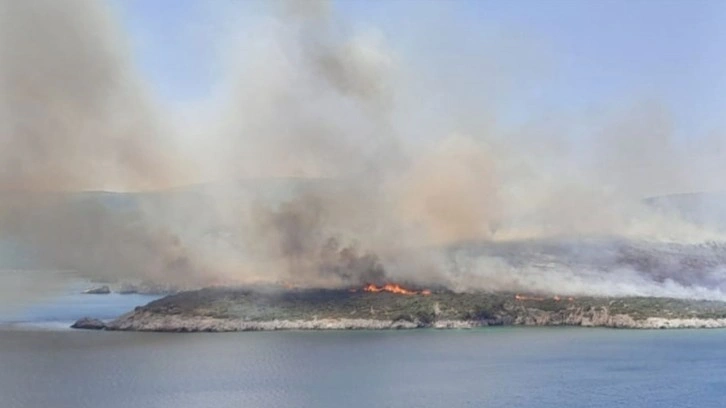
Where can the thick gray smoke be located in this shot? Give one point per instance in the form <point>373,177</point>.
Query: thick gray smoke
<point>75,116</point>
<point>347,160</point>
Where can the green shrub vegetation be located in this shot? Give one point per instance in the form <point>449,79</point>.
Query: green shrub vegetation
<point>271,303</point>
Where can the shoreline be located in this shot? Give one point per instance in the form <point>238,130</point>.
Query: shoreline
<point>150,322</point>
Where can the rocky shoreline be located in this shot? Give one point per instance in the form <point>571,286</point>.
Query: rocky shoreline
<point>160,323</point>
<point>228,310</point>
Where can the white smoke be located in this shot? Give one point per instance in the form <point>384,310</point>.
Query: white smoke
<point>348,159</point>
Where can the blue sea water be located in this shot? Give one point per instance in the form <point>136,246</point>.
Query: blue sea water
<point>492,367</point>
<point>60,311</point>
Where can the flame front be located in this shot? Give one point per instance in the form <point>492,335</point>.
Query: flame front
<point>394,288</point>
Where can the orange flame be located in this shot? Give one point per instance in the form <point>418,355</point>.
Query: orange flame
<point>394,288</point>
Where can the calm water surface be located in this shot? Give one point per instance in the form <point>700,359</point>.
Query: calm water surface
<point>510,367</point>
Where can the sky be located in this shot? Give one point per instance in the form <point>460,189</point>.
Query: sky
<point>594,54</point>
<point>441,122</point>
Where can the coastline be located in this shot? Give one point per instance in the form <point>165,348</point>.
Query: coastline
<point>146,321</point>
<point>244,309</point>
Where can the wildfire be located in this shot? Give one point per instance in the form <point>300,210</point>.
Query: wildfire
<point>394,288</point>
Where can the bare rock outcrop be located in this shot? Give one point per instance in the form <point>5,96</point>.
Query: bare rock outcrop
<point>101,290</point>
<point>89,324</point>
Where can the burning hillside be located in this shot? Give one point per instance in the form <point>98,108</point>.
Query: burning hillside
<point>227,309</point>
<point>394,288</point>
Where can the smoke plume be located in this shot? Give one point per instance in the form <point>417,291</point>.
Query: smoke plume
<point>338,157</point>
<point>75,116</point>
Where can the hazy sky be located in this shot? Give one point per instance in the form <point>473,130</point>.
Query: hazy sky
<point>440,121</point>
<point>592,53</point>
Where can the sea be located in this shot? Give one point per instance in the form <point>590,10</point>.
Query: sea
<point>43,364</point>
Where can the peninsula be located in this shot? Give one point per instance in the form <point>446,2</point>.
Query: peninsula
<point>393,307</point>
